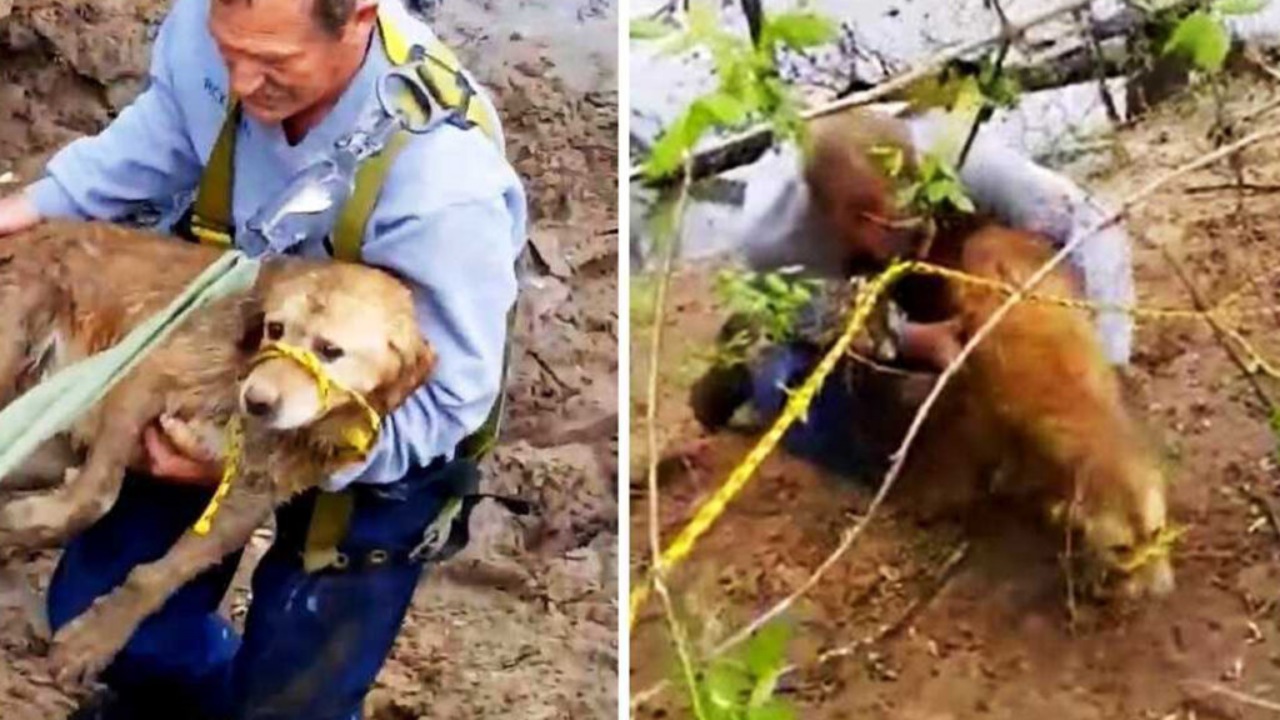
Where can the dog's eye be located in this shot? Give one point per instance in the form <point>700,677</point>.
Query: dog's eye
<point>328,350</point>
<point>275,330</point>
<point>1122,548</point>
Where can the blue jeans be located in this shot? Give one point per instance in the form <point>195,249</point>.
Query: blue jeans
<point>829,433</point>
<point>313,642</point>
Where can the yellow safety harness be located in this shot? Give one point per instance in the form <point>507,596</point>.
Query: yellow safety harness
<point>212,222</point>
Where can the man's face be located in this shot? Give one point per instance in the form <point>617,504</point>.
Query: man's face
<point>280,59</point>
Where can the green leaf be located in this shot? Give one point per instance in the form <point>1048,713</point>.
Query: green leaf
<point>704,19</point>
<point>771,711</point>
<point>1239,7</point>
<point>726,686</point>
<point>709,111</point>
<point>935,192</point>
<point>667,154</point>
<point>722,109</point>
<point>798,30</point>
<point>959,199</point>
<point>649,29</point>
<point>1202,39</point>
<point>767,650</point>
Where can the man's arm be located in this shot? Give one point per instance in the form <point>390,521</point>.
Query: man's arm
<point>460,260</point>
<point>450,222</point>
<point>145,154</point>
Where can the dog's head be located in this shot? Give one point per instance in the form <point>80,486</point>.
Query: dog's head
<point>1123,519</point>
<point>360,326</point>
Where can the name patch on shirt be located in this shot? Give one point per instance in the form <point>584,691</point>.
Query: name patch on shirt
<point>218,94</point>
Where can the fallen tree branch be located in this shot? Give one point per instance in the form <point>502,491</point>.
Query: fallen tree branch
<point>749,145</point>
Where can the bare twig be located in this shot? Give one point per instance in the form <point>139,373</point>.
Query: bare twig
<point>1221,187</point>
<point>941,578</point>
<point>1217,689</point>
<point>683,651</point>
<point>1222,334</point>
<point>1100,66</point>
<point>651,388</point>
<point>678,635</point>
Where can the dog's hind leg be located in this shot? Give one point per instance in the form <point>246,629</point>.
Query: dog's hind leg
<point>48,519</point>
<point>45,469</point>
<point>87,644</point>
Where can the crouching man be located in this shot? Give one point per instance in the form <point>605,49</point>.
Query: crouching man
<point>782,226</point>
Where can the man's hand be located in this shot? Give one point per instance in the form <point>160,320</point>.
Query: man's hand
<point>167,457</point>
<point>17,212</point>
<point>937,344</point>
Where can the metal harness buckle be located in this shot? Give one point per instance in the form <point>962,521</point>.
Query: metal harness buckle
<point>437,534</point>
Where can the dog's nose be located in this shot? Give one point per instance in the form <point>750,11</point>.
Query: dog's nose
<point>260,403</point>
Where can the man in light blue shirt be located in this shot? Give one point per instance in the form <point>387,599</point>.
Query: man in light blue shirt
<point>449,220</point>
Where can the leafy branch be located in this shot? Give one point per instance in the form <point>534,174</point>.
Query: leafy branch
<point>766,308</point>
<point>1203,37</point>
<point>749,88</point>
<point>742,686</point>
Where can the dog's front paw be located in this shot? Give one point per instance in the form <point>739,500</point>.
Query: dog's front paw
<point>85,647</point>
<point>21,526</point>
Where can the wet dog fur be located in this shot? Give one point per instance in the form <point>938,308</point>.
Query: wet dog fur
<point>1038,400</point>
<point>68,290</point>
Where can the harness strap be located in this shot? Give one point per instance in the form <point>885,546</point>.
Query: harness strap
<point>212,221</point>
<point>330,519</point>
<point>348,231</point>
<point>442,73</point>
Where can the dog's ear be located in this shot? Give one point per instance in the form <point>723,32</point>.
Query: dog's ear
<point>417,361</point>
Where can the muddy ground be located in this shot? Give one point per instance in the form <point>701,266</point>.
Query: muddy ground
<point>992,639</point>
<point>523,624</point>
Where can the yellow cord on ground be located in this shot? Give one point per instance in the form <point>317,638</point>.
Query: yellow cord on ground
<point>864,304</point>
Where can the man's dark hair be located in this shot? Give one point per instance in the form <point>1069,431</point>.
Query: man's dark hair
<point>332,15</point>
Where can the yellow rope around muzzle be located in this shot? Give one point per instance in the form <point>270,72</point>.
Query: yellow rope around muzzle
<point>1158,547</point>
<point>799,400</point>
<point>358,437</point>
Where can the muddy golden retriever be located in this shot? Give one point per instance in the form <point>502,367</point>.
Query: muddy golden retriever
<point>69,290</point>
<point>1040,400</point>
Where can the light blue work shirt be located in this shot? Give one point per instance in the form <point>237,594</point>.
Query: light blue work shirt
<point>450,219</point>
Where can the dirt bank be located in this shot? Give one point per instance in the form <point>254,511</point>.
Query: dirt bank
<point>523,624</point>
<point>994,641</point>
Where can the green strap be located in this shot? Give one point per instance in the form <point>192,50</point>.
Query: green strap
<point>56,403</point>
<point>349,230</point>
<point>211,218</point>
<point>330,519</point>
